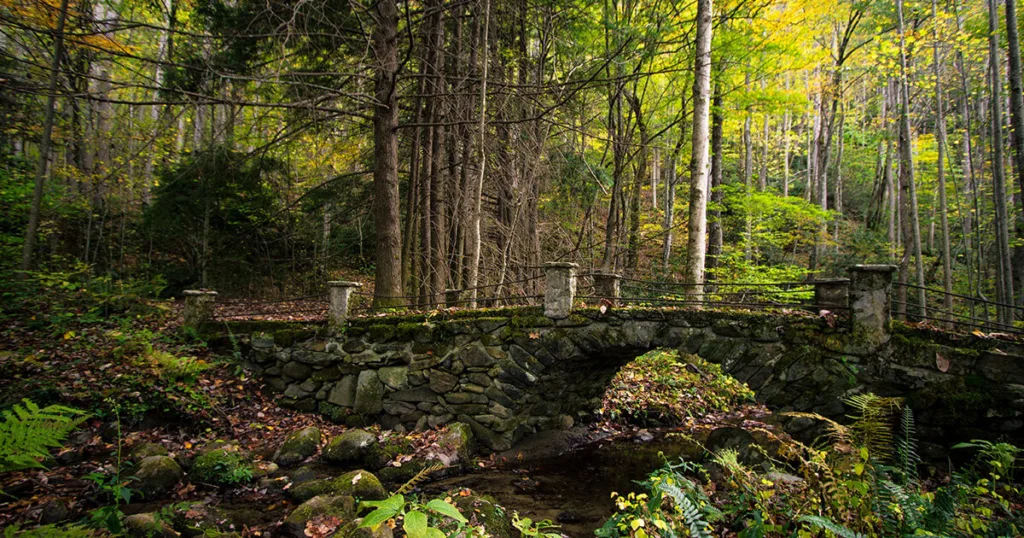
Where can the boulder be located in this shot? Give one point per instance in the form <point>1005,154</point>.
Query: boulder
<point>147,525</point>
<point>349,447</point>
<point>222,463</point>
<point>484,512</point>
<point>360,484</point>
<point>144,450</point>
<point>457,443</point>
<point>297,446</point>
<point>395,377</point>
<point>340,506</point>
<point>156,476</point>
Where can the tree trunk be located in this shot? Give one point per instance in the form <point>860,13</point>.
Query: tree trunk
<point>940,134</point>
<point>32,230</point>
<point>387,220</point>
<point>1017,122</point>
<point>695,244</point>
<point>1004,278</point>
<point>715,231</point>
<point>474,246</point>
<point>907,168</point>
<point>748,175</point>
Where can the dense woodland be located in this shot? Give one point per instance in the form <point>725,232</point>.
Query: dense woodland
<point>262,148</point>
<point>258,149</point>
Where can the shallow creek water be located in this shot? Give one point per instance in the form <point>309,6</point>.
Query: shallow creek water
<point>573,488</point>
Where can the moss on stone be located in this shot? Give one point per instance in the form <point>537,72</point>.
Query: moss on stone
<point>380,332</point>
<point>360,484</point>
<point>342,507</point>
<point>225,466</point>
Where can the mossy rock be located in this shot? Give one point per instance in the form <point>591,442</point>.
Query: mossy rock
<point>360,484</point>
<point>380,454</point>
<point>145,450</point>
<point>157,475</point>
<point>342,507</point>
<point>224,465</point>
<point>349,447</point>
<point>353,530</point>
<point>458,441</point>
<point>146,525</point>
<point>298,446</point>
<point>483,511</point>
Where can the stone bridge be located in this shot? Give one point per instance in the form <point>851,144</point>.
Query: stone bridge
<point>510,372</point>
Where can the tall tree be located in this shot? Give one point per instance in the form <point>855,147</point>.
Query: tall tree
<point>388,271</point>
<point>32,230</point>
<point>1004,269</point>
<point>940,135</point>
<point>695,243</point>
<point>908,186</point>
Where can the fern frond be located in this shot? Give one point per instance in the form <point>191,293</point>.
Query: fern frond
<point>420,476</point>
<point>873,422</point>
<point>828,525</point>
<point>907,458</point>
<point>28,433</point>
<point>837,432</point>
<point>692,516</point>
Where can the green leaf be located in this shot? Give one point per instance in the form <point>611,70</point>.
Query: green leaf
<point>377,517</point>
<point>415,524</point>
<point>446,509</point>
<point>393,503</point>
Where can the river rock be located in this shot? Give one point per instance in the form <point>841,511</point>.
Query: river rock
<point>360,484</point>
<point>298,446</point>
<point>157,475</point>
<point>147,525</point>
<point>340,506</point>
<point>349,447</point>
<point>145,450</point>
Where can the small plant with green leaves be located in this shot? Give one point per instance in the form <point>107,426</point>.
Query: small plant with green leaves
<point>529,528</point>
<point>113,485</point>
<point>437,518</point>
<point>28,433</point>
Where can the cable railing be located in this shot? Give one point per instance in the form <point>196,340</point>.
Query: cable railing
<point>813,296</point>
<point>954,311</point>
<point>498,294</point>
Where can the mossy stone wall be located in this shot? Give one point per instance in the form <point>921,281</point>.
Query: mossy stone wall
<point>511,372</point>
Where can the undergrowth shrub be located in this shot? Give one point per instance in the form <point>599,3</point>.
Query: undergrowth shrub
<point>862,480</point>
<point>662,388</point>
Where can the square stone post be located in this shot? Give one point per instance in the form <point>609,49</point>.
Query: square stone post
<point>606,286</point>
<point>870,303</point>
<point>198,307</point>
<point>560,289</point>
<point>832,292</point>
<point>339,293</point>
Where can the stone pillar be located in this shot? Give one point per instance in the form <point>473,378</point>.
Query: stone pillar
<point>560,289</point>
<point>606,286</point>
<point>198,307</point>
<point>339,293</point>
<point>452,298</point>
<point>870,303</point>
<point>832,292</point>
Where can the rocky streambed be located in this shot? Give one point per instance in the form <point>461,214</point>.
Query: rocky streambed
<point>311,485</point>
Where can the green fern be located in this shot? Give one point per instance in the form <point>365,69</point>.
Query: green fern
<point>28,433</point>
<point>907,458</point>
<point>828,525</point>
<point>873,422</point>
<point>692,516</point>
<point>420,476</point>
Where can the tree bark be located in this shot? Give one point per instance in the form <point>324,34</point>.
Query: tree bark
<point>473,274</point>
<point>715,231</point>
<point>1004,275</point>
<point>695,244</point>
<point>1017,123</point>
<point>907,168</point>
<point>387,220</point>
<point>940,135</point>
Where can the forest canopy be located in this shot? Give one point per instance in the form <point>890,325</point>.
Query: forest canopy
<point>261,149</point>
